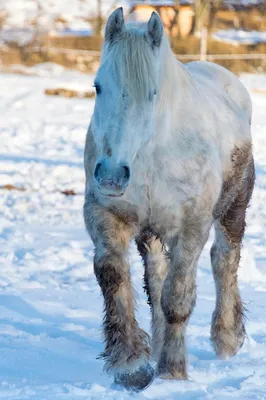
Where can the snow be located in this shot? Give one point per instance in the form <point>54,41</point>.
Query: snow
<point>21,36</point>
<point>75,13</point>
<point>84,30</point>
<point>50,302</point>
<point>239,36</point>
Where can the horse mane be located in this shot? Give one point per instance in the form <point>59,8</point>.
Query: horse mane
<point>133,60</point>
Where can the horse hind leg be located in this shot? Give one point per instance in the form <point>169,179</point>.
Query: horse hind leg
<point>155,263</point>
<point>228,330</point>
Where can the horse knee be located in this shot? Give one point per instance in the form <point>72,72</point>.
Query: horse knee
<point>175,316</point>
<point>178,301</point>
<point>108,272</point>
<point>108,278</point>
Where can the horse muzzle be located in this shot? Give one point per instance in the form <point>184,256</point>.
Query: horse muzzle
<point>111,180</point>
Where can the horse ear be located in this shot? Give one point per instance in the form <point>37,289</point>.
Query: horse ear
<point>115,24</point>
<point>155,30</point>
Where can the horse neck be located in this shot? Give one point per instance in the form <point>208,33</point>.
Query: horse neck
<point>175,82</point>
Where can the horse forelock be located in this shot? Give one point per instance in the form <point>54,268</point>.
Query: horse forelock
<point>133,61</point>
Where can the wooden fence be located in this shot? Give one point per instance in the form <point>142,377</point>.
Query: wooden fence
<point>77,52</point>
<point>87,60</point>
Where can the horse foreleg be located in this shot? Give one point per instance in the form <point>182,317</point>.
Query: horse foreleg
<point>126,351</point>
<point>179,297</point>
<point>156,265</point>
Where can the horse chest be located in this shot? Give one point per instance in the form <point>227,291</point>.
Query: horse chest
<point>158,203</point>
<point>157,198</point>
<point>166,205</point>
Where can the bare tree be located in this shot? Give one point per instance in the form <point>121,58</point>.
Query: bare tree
<point>99,17</point>
<point>204,11</point>
<point>174,22</point>
<point>3,17</point>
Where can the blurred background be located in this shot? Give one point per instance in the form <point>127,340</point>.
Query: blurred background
<point>70,32</point>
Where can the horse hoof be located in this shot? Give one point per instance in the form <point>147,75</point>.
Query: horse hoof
<point>137,380</point>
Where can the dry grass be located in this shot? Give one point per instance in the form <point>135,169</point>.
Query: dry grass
<point>261,91</point>
<point>69,93</point>
<point>249,19</point>
<point>12,187</point>
<point>190,45</point>
<point>66,192</point>
<point>74,42</point>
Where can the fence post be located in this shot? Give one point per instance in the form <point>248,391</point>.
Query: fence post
<point>203,44</point>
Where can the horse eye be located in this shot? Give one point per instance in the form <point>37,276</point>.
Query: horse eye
<point>97,88</point>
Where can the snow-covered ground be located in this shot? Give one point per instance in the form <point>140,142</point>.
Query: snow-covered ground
<point>238,36</point>
<point>50,303</point>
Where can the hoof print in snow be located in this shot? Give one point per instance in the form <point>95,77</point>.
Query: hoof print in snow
<point>137,380</point>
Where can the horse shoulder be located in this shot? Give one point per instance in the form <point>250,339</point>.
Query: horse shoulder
<point>222,80</point>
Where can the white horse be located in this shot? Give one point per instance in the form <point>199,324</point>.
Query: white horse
<point>168,154</point>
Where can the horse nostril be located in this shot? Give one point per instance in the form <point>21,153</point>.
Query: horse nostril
<point>97,169</point>
<point>127,172</point>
